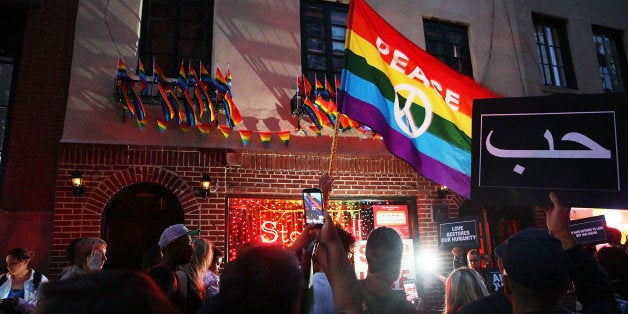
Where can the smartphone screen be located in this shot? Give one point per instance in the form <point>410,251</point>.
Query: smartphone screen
<point>313,206</point>
<point>409,286</point>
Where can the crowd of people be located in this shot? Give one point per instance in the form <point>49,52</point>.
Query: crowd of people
<point>184,274</point>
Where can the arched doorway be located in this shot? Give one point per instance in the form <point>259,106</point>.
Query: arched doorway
<point>133,221</point>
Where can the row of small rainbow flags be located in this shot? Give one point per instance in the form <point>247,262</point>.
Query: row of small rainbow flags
<point>187,101</point>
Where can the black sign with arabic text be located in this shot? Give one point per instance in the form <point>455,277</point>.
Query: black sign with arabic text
<point>525,147</point>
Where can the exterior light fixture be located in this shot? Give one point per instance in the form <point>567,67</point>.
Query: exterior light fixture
<point>441,192</point>
<point>206,186</point>
<point>77,183</point>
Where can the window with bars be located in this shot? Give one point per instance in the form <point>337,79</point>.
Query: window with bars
<point>553,52</point>
<point>449,43</point>
<point>611,58</point>
<point>175,31</point>
<point>323,31</point>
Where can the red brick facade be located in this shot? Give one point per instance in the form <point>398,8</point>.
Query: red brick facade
<point>109,168</point>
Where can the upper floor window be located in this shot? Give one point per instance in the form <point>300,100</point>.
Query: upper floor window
<point>553,52</point>
<point>449,43</point>
<point>174,31</point>
<point>323,32</point>
<point>12,20</point>
<point>610,57</point>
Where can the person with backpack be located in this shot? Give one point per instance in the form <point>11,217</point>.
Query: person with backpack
<point>18,287</point>
<point>176,247</point>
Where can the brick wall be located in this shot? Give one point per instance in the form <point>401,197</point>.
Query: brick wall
<point>109,168</point>
<point>39,107</point>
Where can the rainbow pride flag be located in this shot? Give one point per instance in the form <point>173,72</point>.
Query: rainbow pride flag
<point>245,135</point>
<point>226,130</point>
<point>204,129</point>
<point>143,82</point>
<point>221,82</point>
<point>265,137</point>
<point>420,106</point>
<point>284,135</point>
<point>231,111</point>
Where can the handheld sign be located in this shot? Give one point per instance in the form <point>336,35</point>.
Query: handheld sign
<point>589,230</point>
<point>461,232</point>
<point>525,147</point>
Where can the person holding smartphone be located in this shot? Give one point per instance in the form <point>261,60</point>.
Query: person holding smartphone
<point>18,287</point>
<point>89,256</point>
<point>313,206</point>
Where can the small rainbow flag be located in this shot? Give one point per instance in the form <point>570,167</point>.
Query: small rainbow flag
<point>121,73</point>
<point>226,130</point>
<point>221,82</point>
<point>205,76</point>
<point>245,135</point>
<point>203,128</point>
<point>141,124</point>
<point>316,130</point>
<point>162,125</point>
<point>184,127</point>
<point>143,82</point>
<point>315,113</point>
<point>265,137</point>
<point>284,135</point>
<point>231,111</point>
<point>158,74</point>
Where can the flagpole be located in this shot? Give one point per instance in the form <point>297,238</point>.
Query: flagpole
<point>330,169</point>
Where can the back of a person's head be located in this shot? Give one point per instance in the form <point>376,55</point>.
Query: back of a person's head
<point>536,267</point>
<point>203,253</point>
<point>262,279</point>
<point>347,239</point>
<point>83,249</point>
<point>383,252</point>
<point>613,235</point>
<point>105,292</point>
<point>69,251</point>
<point>615,262</point>
<point>463,286</point>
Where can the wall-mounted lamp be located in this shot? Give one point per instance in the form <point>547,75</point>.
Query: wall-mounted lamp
<point>206,185</point>
<point>77,183</point>
<point>441,191</point>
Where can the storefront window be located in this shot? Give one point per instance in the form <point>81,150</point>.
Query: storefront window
<point>280,221</point>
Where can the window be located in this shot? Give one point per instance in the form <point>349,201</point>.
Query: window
<point>12,21</point>
<point>553,52</point>
<point>174,31</point>
<point>449,43</point>
<point>323,31</point>
<point>610,57</point>
<point>280,221</point>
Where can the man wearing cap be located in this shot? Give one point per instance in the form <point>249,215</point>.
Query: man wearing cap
<point>175,244</point>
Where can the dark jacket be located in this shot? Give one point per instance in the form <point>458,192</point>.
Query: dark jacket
<point>496,303</point>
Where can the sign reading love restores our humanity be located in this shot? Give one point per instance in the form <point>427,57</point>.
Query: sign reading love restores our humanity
<point>573,145</point>
<point>462,232</point>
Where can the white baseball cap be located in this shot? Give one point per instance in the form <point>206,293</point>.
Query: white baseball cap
<point>174,232</point>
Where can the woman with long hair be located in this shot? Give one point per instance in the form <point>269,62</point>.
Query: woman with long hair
<point>463,286</point>
<point>191,274</point>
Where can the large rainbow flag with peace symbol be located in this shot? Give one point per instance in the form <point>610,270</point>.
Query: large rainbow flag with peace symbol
<point>420,106</point>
